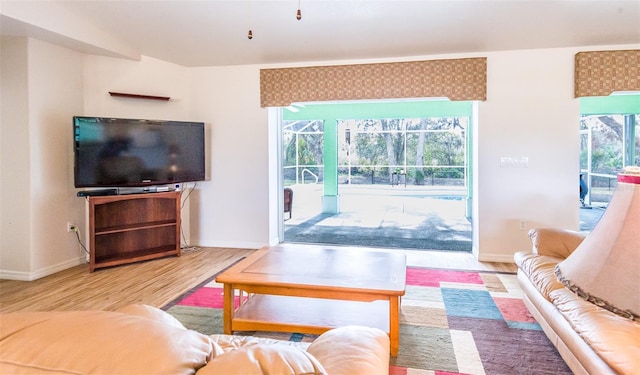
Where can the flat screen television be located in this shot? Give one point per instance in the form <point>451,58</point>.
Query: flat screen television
<point>116,152</point>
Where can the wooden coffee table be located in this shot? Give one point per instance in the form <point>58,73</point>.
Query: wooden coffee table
<point>311,289</point>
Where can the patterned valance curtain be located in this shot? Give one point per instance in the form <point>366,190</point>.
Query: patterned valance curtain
<point>599,73</point>
<point>456,79</point>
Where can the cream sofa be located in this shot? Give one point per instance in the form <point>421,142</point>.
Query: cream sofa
<point>590,339</point>
<point>140,339</point>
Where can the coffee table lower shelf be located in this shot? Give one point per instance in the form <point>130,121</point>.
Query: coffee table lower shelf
<point>307,315</point>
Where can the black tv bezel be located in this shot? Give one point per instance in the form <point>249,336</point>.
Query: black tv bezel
<point>151,183</point>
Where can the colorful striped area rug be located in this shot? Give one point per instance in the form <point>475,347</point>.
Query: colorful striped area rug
<point>452,322</point>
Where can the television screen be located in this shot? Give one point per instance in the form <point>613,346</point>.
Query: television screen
<point>114,152</point>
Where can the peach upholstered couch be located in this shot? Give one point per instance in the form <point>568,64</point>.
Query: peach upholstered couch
<point>140,339</point>
<point>591,339</point>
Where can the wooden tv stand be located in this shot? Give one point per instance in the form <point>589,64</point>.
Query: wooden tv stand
<point>130,228</point>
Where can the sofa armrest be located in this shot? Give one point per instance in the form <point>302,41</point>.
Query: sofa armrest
<point>557,243</point>
<point>99,342</point>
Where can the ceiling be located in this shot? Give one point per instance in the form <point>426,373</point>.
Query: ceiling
<point>214,33</point>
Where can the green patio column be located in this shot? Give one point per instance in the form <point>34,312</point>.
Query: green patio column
<point>330,199</point>
<point>329,116</point>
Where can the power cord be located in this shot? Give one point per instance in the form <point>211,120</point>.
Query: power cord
<point>74,228</point>
<point>186,246</point>
<point>195,184</point>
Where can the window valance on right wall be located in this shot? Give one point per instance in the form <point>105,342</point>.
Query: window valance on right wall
<point>600,73</point>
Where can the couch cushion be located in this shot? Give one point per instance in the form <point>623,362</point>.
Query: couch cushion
<point>614,338</point>
<point>152,313</point>
<point>105,342</point>
<point>232,342</point>
<point>259,359</point>
<point>553,242</point>
<point>539,269</point>
<point>352,350</point>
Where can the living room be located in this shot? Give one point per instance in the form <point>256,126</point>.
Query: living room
<point>530,112</point>
<point>50,83</point>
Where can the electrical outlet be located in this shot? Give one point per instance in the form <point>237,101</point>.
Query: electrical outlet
<point>71,227</point>
<point>514,162</point>
<point>522,225</point>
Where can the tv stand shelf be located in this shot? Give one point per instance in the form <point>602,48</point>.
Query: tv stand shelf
<point>131,228</point>
<point>117,259</point>
<point>125,228</point>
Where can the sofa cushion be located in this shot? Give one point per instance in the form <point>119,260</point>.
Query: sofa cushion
<point>232,342</point>
<point>104,342</point>
<point>614,338</point>
<point>352,350</point>
<point>259,359</point>
<point>539,270</point>
<point>558,243</point>
<point>152,313</point>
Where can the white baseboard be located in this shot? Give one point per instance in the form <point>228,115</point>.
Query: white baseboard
<point>30,276</point>
<point>232,245</point>
<point>496,258</point>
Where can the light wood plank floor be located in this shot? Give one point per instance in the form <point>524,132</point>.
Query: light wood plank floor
<point>160,281</point>
<point>155,283</point>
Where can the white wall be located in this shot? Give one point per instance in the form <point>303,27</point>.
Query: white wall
<point>14,161</point>
<point>231,209</point>
<point>530,112</point>
<point>145,77</point>
<point>55,93</point>
<point>42,89</point>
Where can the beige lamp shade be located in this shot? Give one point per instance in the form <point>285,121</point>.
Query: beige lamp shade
<point>605,268</point>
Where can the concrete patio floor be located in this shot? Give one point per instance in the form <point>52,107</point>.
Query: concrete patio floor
<point>415,217</point>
